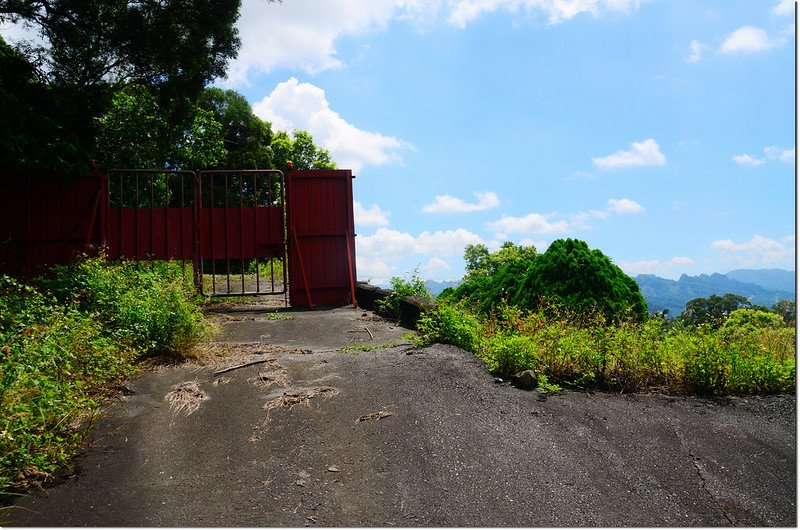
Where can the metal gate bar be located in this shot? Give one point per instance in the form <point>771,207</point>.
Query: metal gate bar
<point>249,212</point>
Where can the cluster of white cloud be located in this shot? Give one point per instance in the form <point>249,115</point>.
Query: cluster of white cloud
<point>644,153</point>
<point>302,34</point>
<point>368,217</point>
<point>466,11</point>
<point>771,153</point>
<point>759,251</point>
<point>657,267</point>
<point>378,252</point>
<point>747,39</point>
<point>294,105</point>
<point>554,223</point>
<point>450,204</point>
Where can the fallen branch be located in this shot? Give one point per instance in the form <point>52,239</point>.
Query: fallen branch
<point>370,333</point>
<point>251,363</point>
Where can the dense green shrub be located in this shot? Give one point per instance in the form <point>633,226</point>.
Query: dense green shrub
<point>449,325</point>
<point>584,351</point>
<point>54,362</point>
<point>567,277</point>
<point>146,305</point>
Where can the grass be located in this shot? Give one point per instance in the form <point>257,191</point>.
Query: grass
<point>358,347</point>
<point>752,355</point>
<point>67,343</point>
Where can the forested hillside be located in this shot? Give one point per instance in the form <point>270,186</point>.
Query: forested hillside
<point>672,295</point>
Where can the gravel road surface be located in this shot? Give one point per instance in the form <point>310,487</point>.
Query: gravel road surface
<point>315,436</point>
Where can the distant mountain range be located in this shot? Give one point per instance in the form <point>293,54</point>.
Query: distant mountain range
<point>761,287</point>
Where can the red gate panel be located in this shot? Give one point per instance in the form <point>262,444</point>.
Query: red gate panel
<point>322,262</point>
<point>47,221</point>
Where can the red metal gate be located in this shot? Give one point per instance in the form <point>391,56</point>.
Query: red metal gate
<point>322,260</point>
<point>232,225</point>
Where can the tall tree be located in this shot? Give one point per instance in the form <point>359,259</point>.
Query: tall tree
<point>246,137</point>
<point>90,49</point>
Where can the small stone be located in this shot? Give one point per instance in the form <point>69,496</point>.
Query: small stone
<point>498,380</point>
<point>333,469</point>
<point>526,379</point>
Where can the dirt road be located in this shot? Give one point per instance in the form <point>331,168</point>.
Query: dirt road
<point>316,436</point>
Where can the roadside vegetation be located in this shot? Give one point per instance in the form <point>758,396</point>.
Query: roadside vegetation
<point>69,341</point>
<point>573,317</point>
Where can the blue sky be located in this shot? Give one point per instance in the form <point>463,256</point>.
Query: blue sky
<point>659,131</point>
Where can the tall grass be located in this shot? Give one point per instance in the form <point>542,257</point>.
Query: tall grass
<point>579,350</point>
<point>67,342</point>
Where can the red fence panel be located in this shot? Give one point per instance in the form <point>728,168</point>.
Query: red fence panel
<point>47,221</point>
<point>322,264</point>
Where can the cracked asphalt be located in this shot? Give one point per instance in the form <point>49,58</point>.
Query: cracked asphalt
<point>311,435</point>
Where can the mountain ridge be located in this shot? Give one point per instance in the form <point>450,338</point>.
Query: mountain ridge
<point>765,287</point>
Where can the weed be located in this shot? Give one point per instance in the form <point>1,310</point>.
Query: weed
<point>279,316</point>
<point>413,286</point>
<point>358,347</point>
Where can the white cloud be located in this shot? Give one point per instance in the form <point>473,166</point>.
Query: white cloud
<point>697,48</point>
<point>645,153</point>
<point>747,160</point>
<point>377,254</point>
<point>300,34</point>
<point>449,204</point>
<point>747,39</point>
<point>294,105</point>
<point>389,243</point>
<point>779,153</point>
<point>784,8</point>
<point>758,251</point>
<point>372,216</point>
<point>655,266</point>
<point>435,267</point>
<point>466,11</point>
<point>533,223</point>
<point>624,206</point>
<point>771,153</point>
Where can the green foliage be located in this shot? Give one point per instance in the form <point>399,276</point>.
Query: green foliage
<point>449,325</point>
<point>787,309</point>
<point>89,50</point>
<point>753,353</point>
<point>64,345</point>
<point>713,310</point>
<point>481,262</point>
<point>300,150</point>
<point>413,285</point>
<point>568,275</point>
<point>246,137</point>
<point>150,307</point>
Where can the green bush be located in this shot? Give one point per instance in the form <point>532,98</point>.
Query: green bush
<point>54,363</point>
<point>449,325</point>
<point>62,346</point>
<point>149,306</point>
<point>401,287</point>
<point>753,354</point>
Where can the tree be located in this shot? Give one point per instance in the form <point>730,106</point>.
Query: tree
<point>713,310</point>
<point>787,309</point>
<point>581,280</point>
<point>133,134</point>
<point>93,48</point>
<point>300,150</point>
<point>246,137</point>
<point>568,274</point>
